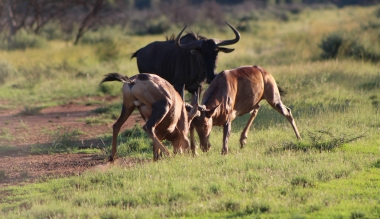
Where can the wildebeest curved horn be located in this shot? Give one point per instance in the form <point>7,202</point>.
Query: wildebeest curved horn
<point>193,45</point>
<point>230,42</point>
<point>183,93</point>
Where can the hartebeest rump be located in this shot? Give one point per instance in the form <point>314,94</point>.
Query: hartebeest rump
<point>188,61</point>
<point>234,93</point>
<point>160,106</point>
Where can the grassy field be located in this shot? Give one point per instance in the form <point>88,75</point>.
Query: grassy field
<point>334,172</point>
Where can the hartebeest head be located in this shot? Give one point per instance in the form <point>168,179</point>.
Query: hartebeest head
<point>203,123</point>
<point>209,49</point>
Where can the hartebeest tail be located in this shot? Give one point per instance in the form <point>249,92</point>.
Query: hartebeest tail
<point>160,106</point>
<point>234,93</point>
<point>115,77</point>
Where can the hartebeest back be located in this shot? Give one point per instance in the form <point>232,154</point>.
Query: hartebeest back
<point>234,93</point>
<point>160,106</point>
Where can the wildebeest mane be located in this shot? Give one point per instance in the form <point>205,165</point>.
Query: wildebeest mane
<point>190,35</point>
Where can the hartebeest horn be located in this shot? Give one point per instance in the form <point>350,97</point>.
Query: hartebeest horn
<point>229,42</point>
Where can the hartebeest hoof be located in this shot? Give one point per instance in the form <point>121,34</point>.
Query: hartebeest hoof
<point>243,141</point>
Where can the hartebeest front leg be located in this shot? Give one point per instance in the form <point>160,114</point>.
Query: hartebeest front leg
<point>226,135</point>
<point>243,136</point>
<point>192,139</point>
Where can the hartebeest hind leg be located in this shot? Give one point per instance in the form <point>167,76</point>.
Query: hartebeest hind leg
<point>243,136</point>
<point>159,111</point>
<point>285,111</point>
<point>125,113</point>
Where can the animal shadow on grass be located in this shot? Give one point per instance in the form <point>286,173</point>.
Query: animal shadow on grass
<point>320,140</point>
<point>66,140</point>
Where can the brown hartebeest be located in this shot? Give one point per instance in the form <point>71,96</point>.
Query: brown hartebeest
<point>234,93</point>
<point>160,106</point>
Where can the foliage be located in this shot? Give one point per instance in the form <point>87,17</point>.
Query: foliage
<point>332,173</point>
<point>321,140</point>
<point>330,45</point>
<point>23,40</point>
<point>349,44</point>
<point>6,69</point>
<point>143,26</point>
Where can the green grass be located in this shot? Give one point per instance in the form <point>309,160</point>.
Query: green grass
<point>334,172</point>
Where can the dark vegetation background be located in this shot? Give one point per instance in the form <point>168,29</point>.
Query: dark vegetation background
<point>70,19</point>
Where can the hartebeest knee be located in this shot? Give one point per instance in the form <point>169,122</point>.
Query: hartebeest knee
<point>234,93</point>
<point>160,106</point>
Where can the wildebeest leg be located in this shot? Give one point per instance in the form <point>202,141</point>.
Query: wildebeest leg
<point>243,135</point>
<point>192,140</point>
<point>285,111</point>
<point>125,113</point>
<point>159,111</point>
<point>226,135</point>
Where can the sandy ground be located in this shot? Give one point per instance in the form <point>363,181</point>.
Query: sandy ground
<point>18,166</point>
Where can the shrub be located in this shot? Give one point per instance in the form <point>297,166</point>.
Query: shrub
<point>377,13</point>
<point>359,50</point>
<point>6,69</point>
<point>105,34</point>
<point>108,51</point>
<point>330,45</point>
<point>52,31</point>
<point>23,40</point>
<point>302,181</point>
<point>152,26</point>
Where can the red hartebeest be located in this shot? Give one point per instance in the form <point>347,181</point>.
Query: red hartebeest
<point>160,106</point>
<point>234,93</point>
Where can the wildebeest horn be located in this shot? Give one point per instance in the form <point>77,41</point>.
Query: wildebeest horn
<point>183,93</point>
<point>193,45</point>
<point>230,42</point>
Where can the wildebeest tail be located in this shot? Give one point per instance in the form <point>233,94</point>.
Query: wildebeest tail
<point>115,77</point>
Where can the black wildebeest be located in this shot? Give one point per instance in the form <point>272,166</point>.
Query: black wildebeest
<point>188,61</point>
<point>234,93</point>
<point>160,106</point>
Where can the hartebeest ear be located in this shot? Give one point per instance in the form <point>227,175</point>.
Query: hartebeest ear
<point>225,50</point>
<point>194,112</point>
<point>209,113</point>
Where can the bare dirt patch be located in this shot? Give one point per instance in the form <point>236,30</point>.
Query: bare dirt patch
<point>19,132</point>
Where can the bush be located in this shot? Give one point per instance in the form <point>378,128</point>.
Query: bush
<point>53,31</point>
<point>377,13</point>
<point>6,70</point>
<point>330,45</point>
<point>109,51</point>
<point>23,40</point>
<point>104,35</point>
<point>359,50</point>
<point>350,45</point>
<point>152,26</point>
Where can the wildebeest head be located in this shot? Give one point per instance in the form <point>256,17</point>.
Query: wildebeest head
<point>209,49</point>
